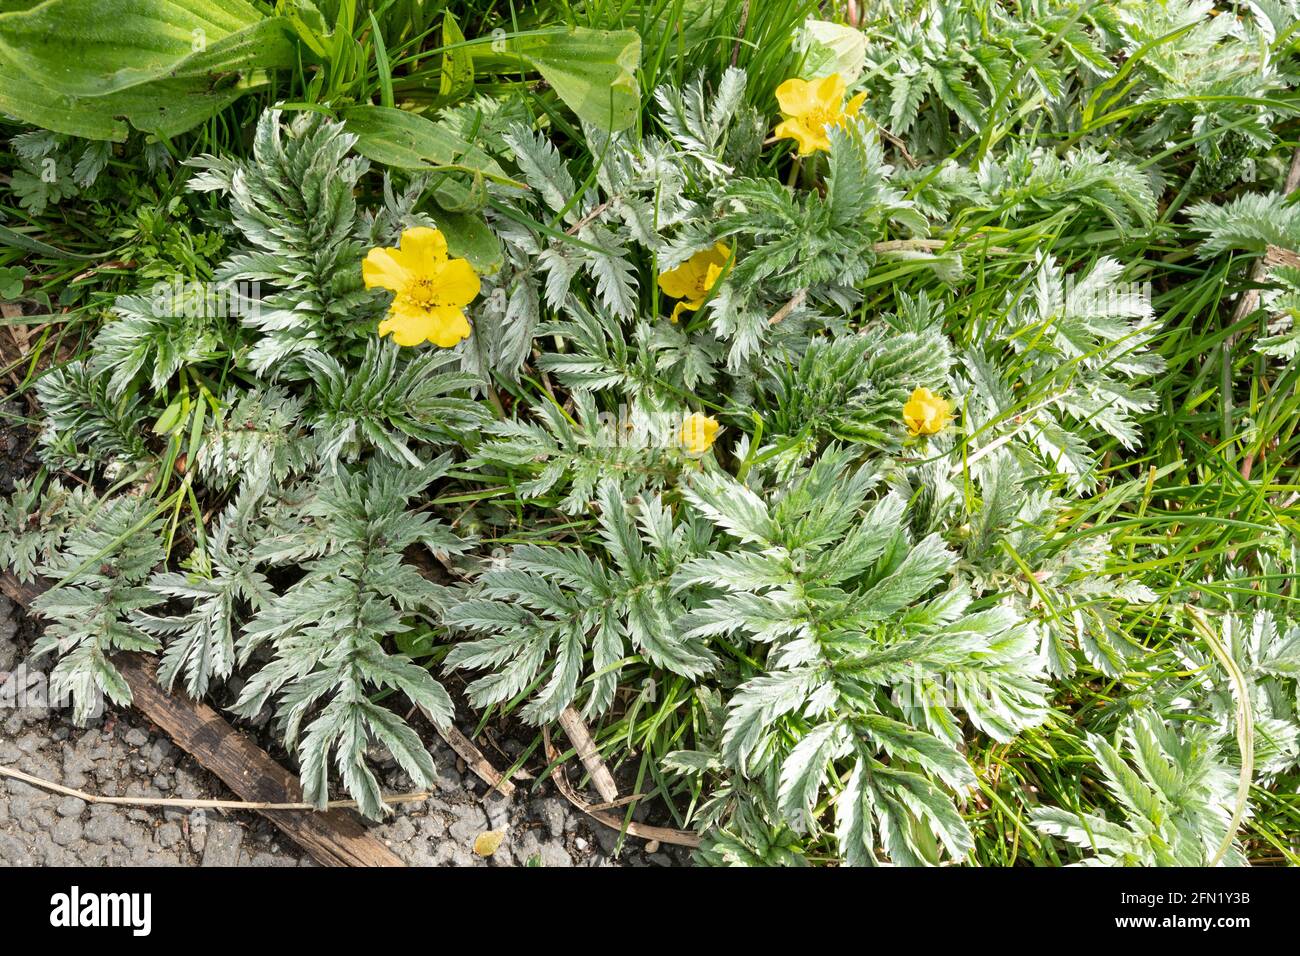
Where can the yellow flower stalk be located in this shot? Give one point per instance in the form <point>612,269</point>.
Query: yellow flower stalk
<point>431,290</point>
<point>697,433</point>
<point>692,281</point>
<point>925,413</point>
<point>810,108</point>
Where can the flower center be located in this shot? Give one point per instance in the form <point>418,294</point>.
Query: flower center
<point>819,117</point>
<point>420,293</point>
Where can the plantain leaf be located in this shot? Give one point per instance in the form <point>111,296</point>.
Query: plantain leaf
<point>81,49</point>
<point>468,237</point>
<point>592,71</point>
<point>92,95</point>
<point>457,63</point>
<point>408,141</point>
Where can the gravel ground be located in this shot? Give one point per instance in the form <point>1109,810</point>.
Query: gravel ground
<point>121,754</point>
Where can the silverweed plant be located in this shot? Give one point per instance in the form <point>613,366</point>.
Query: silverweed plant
<point>876,422</point>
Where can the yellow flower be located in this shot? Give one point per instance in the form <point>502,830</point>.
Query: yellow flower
<point>697,433</point>
<point>431,289</point>
<point>809,108</point>
<point>925,413</point>
<point>693,279</point>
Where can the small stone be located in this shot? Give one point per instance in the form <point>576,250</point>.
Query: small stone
<point>187,785</point>
<point>135,737</point>
<point>447,780</point>
<point>434,827</point>
<point>551,812</point>
<point>70,807</point>
<point>65,831</point>
<point>105,826</point>
<point>269,859</point>
<point>527,849</point>
<point>222,848</point>
<point>608,839</point>
<point>470,822</point>
<point>198,826</point>
<point>554,855</point>
<point>403,831</point>
<point>169,834</point>
<point>498,811</point>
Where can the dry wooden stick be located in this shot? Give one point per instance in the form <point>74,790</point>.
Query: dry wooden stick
<point>1249,300</point>
<point>1250,297</point>
<point>931,245</point>
<point>475,760</point>
<point>783,313</point>
<point>583,743</point>
<point>740,32</point>
<point>642,831</point>
<point>182,804</point>
<point>332,837</point>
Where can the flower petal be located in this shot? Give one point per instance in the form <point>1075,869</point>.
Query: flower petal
<point>680,282</point>
<point>424,249</point>
<point>448,326</point>
<point>926,413</point>
<point>809,141</point>
<point>455,283</point>
<point>830,92</point>
<point>711,277</point>
<point>697,433</point>
<point>855,104</point>
<point>382,268</point>
<point>795,97</point>
<point>407,326</point>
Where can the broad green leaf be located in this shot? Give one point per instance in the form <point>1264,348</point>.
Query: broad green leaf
<point>195,88</point>
<point>34,103</point>
<point>397,138</point>
<point>592,71</point>
<point>307,24</point>
<point>457,63</point>
<point>830,48</point>
<point>84,49</point>
<point>468,237</point>
<point>165,107</point>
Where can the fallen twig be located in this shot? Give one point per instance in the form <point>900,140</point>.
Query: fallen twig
<point>475,760</point>
<point>182,804</point>
<point>783,313</point>
<point>643,831</point>
<point>583,743</point>
<point>931,245</point>
<point>1250,297</point>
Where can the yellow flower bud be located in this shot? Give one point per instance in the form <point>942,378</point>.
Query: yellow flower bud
<point>697,433</point>
<point>925,413</point>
